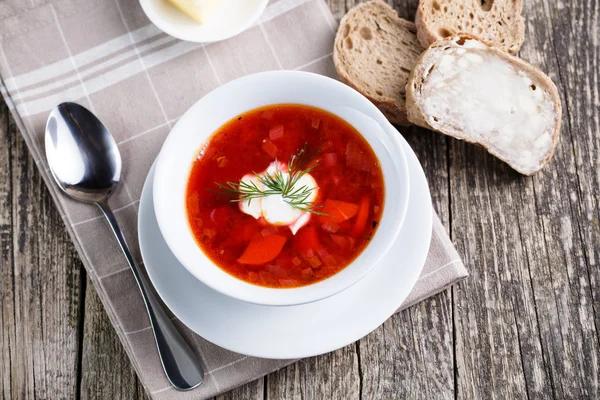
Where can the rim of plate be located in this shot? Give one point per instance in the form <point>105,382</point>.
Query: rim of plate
<point>183,27</point>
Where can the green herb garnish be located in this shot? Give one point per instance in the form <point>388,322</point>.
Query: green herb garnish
<point>277,183</point>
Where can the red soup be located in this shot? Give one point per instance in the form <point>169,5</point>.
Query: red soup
<point>284,196</point>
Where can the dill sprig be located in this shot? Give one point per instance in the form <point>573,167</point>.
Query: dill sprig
<point>277,183</point>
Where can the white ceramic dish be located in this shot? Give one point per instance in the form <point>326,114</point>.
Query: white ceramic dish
<point>295,331</point>
<point>232,18</point>
<point>247,93</point>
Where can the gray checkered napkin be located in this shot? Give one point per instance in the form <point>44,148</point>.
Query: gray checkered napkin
<point>107,56</point>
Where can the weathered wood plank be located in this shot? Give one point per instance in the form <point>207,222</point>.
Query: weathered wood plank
<point>411,355</point>
<point>40,282</point>
<point>565,43</point>
<point>524,319</point>
<point>330,376</point>
<point>7,314</point>
<point>251,391</point>
<point>106,372</point>
<point>496,327</point>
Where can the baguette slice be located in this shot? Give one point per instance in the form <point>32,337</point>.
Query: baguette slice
<point>374,52</point>
<point>498,22</point>
<point>468,90</point>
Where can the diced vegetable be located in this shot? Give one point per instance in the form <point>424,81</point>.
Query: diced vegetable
<point>356,158</point>
<point>329,260</point>
<point>337,211</point>
<point>362,216</point>
<point>307,240</point>
<point>315,123</point>
<point>193,203</point>
<point>288,282</point>
<point>296,261</point>
<point>262,249</point>
<point>222,161</point>
<point>268,114</point>
<point>276,132</point>
<point>209,232</point>
<point>269,148</point>
<point>345,242</point>
<point>330,159</point>
<point>314,262</point>
<point>277,271</point>
<point>322,252</point>
<point>266,279</point>
<point>252,276</point>
<point>306,273</point>
<point>375,209</point>
<point>330,227</point>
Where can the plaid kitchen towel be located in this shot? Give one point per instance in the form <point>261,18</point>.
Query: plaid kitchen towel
<point>105,55</point>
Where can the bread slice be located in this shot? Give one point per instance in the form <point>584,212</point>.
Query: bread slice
<point>466,89</point>
<point>374,52</point>
<point>498,22</point>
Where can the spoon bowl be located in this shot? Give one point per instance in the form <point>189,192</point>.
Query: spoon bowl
<point>82,154</point>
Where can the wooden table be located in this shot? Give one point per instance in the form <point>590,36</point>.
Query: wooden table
<point>525,324</point>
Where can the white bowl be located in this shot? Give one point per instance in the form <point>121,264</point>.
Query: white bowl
<point>195,127</point>
<point>232,18</point>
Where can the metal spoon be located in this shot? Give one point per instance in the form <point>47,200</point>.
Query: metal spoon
<point>86,163</point>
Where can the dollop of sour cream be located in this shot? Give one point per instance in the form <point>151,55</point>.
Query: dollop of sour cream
<point>273,208</point>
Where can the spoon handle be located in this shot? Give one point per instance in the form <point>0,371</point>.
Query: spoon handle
<point>181,366</point>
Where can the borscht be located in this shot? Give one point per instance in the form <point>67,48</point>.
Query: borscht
<point>284,196</point>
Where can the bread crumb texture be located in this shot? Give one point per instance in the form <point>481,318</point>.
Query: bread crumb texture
<point>497,22</point>
<point>375,52</point>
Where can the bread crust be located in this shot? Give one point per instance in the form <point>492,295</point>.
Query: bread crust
<point>428,31</point>
<point>394,110</point>
<point>418,117</point>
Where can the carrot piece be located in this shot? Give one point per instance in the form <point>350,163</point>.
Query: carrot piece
<point>307,240</point>
<point>262,249</point>
<point>337,211</point>
<point>363,215</point>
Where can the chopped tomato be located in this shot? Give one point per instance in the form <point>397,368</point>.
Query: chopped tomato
<point>262,249</point>
<point>307,240</point>
<point>337,211</point>
<point>362,216</point>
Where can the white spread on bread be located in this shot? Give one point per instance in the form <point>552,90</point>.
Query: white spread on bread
<point>273,208</point>
<point>477,92</point>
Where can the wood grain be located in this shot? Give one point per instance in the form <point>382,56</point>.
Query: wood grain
<point>525,324</point>
<point>40,282</point>
<point>106,372</point>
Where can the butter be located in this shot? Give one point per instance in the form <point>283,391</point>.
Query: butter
<point>199,10</point>
<point>495,103</point>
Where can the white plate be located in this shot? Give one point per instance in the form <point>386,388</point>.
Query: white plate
<point>293,331</point>
<point>232,18</point>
